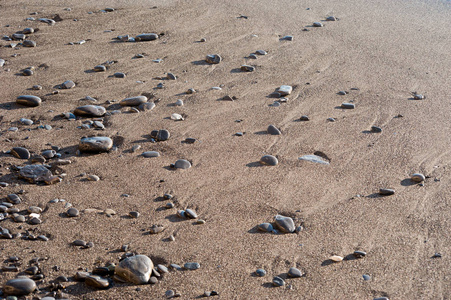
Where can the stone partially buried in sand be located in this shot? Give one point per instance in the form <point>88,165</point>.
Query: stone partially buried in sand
<point>418,177</point>
<point>90,111</point>
<point>28,100</point>
<point>314,158</point>
<point>133,101</point>
<point>95,144</point>
<point>19,286</point>
<point>284,224</point>
<point>160,135</point>
<point>135,269</point>
<point>269,160</point>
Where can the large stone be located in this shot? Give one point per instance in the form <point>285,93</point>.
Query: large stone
<point>213,59</point>
<point>135,269</point>
<point>28,100</point>
<point>147,37</point>
<point>95,144</point>
<point>284,224</point>
<point>19,287</point>
<point>90,111</point>
<point>36,173</point>
<point>133,101</point>
<point>20,152</point>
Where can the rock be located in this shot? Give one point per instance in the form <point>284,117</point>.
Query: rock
<point>381,298</point>
<point>2,62</point>
<point>133,214</point>
<point>147,37</point>
<point>18,36</point>
<point>190,91</point>
<point>287,38</point>
<point>160,135</point>
<point>155,229</point>
<point>14,199</point>
<point>265,227</point>
<point>35,173</point>
<point>342,93</point>
<point>171,76</point>
<point>304,118</point>
<point>294,273</point>
<point>261,52</point>
<point>90,111</point>
<point>273,130</point>
<point>135,269</point>
<point>213,59</point>
<point>29,100</point>
<point>19,287</point>
<point>29,43</point>
<point>68,84</point>
<point>146,106</point>
<point>79,243</point>
<point>331,18</point>
<point>284,224</point>
<point>376,129</point>
<point>182,164</point>
<point>277,281</point>
<point>119,75</point>
<point>20,152</point>
<point>317,24</point>
<point>133,101</point>
<point>27,72</point>
<point>359,254</point>
<point>315,159</point>
<point>34,210</point>
<point>418,177</point>
<point>99,68</point>
<point>151,154</point>
<point>347,105</point>
<point>177,117</point>
<point>366,277</point>
<point>179,102</point>
<point>191,266</point>
<point>97,281</point>
<point>191,214</point>
<point>386,192</point>
<point>260,272</point>
<point>169,294</point>
<point>72,212</point>
<point>269,160</point>
<point>247,68</point>
<point>418,96</point>
<point>95,144</point>
<point>336,258</point>
<point>285,90</point>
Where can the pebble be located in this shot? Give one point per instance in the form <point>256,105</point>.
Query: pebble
<point>418,96</point>
<point>155,229</point>
<point>169,294</point>
<point>269,160</point>
<point>347,105</point>
<point>93,177</point>
<point>29,100</point>
<point>304,118</point>
<point>191,214</point>
<point>48,153</point>
<point>27,72</point>
<point>146,37</point>
<point>336,258</point>
<point>37,173</point>
<point>14,198</point>
<point>160,135</point>
<point>90,111</point>
<point>153,280</point>
<point>376,129</point>
<point>386,192</point>
<point>191,266</point>
<point>317,24</point>
<point>95,144</point>
<point>182,164</point>
<point>418,177</point>
<point>213,59</point>
<point>177,117</point>
<point>288,38</point>
<point>162,268</point>
<point>294,273</point>
<point>284,224</point>
<point>133,214</point>
<point>20,152</point>
<point>190,91</point>
<point>133,101</point>
<point>146,106</point>
<point>18,36</point>
<point>135,269</point>
<point>68,84</point>
<point>366,277</point>
<point>179,102</point>
<point>277,281</point>
<point>151,154</point>
<point>247,68</point>
<point>72,212</point>
<point>97,281</point>
<point>342,93</point>
<point>261,52</point>
<point>265,227</point>
<point>2,62</point>
<point>359,254</point>
<point>29,43</point>
<point>34,210</point>
<point>99,68</point>
<point>285,90</point>
<point>19,287</point>
<point>79,243</point>
<point>119,75</point>
<point>314,158</point>
<point>273,130</point>
<point>331,18</point>
<point>171,76</point>
<point>260,272</point>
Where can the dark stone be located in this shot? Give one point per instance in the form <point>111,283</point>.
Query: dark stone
<point>277,281</point>
<point>269,160</point>
<point>28,100</point>
<point>273,130</point>
<point>284,224</point>
<point>213,59</point>
<point>294,273</point>
<point>20,152</point>
<point>19,287</point>
<point>147,37</point>
<point>160,135</point>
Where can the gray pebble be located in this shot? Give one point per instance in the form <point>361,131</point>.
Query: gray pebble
<point>24,121</point>
<point>247,68</point>
<point>175,267</point>
<point>294,273</point>
<point>366,277</point>
<point>284,224</point>
<point>253,56</point>
<point>95,144</point>
<point>359,254</point>
<point>72,212</point>
<point>27,72</point>
<point>331,18</point>
<point>162,269</point>
<point>28,100</point>
<point>119,75</point>
<point>90,111</point>
<point>317,24</point>
<point>342,93</point>
<point>20,152</point>
<point>182,164</point>
<point>171,76</point>
<point>133,214</point>
<point>151,154</point>
<point>273,130</point>
<point>146,106</point>
<point>133,101</point>
<point>18,36</point>
<point>376,129</point>
<point>304,118</point>
<point>68,84</point>
<point>79,243</point>
<point>386,192</point>
<point>28,30</point>
<point>277,281</point>
<point>153,280</point>
<point>260,272</point>
<point>190,214</point>
<point>285,90</point>
<point>347,105</point>
<point>265,227</point>
<point>288,38</point>
<point>269,160</point>
<point>99,68</point>
<point>261,52</point>
<point>160,135</point>
<point>418,177</point>
<point>169,294</point>
<point>147,37</point>
<point>213,59</point>
<point>29,43</point>
<point>19,286</point>
<point>191,266</point>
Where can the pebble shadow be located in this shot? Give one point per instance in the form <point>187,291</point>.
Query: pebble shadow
<point>254,164</point>
<point>237,70</point>
<point>408,182</point>
<point>174,218</point>
<point>327,262</point>
<point>254,230</point>
<point>11,105</point>
<point>200,63</point>
<point>263,132</point>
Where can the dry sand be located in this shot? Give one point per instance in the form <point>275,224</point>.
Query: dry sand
<point>387,49</point>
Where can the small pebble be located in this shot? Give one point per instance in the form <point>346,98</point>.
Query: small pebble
<point>317,24</point>
<point>336,258</point>
<point>191,266</point>
<point>213,59</point>
<point>68,84</point>
<point>151,154</point>
<point>386,192</point>
<point>260,272</point>
<point>269,160</point>
<point>347,105</point>
<point>376,129</point>
<point>72,212</point>
<point>182,164</point>
<point>273,130</point>
<point>294,273</point>
<point>133,214</point>
<point>277,281</point>
<point>418,177</point>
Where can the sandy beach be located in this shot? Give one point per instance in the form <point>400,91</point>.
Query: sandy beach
<point>370,98</point>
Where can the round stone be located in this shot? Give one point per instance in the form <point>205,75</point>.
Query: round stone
<point>29,100</point>
<point>284,224</point>
<point>133,101</point>
<point>347,105</point>
<point>28,30</point>
<point>135,269</point>
<point>261,52</point>
<point>133,214</point>
<point>90,111</point>
<point>260,272</point>
<point>190,214</point>
<point>20,152</point>
<point>269,160</point>
<point>79,243</point>
<point>146,106</point>
<point>68,84</point>
<point>27,72</point>
<point>72,212</point>
<point>213,59</point>
<point>386,192</point>
<point>19,287</point>
<point>359,254</point>
<point>277,281</point>
<point>294,273</point>
<point>191,266</point>
<point>95,144</point>
<point>265,227</point>
<point>151,154</point>
<point>147,37</point>
<point>182,164</point>
<point>97,281</point>
<point>99,68</point>
<point>29,43</point>
<point>273,130</point>
<point>179,102</point>
<point>153,280</point>
<point>24,121</point>
<point>418,177</point>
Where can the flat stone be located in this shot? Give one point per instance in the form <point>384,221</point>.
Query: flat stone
<point>151,154</point>
<point>359,254</point>
<point>247,68</point>
<point>277,281</point>
<point>95,144</point>
<point>294,273</point>
<point>269,160</point>
<point>314,158</point>
<point>317,24</point>
<point>160,135</point>
<point>135,269</point>
<point>133,101</point>
<point>29,43</point>
<point>146,106</point>
<point>90,111</point>
<point>19,287</point>
<point>213,59</point>
<point>273,130</point>
<point>68,84</point>
<point>97,281</point>
<point>35,173</point>
<point>29,100</point>
<point>20,152</point>
<point>265,227</point>
<point>72,212</point>
<point>386,192</point>
<point>171,76</point>
<point>284,224</point>
<point>285,90</point>
<point>182,164</point>
<point>191,214</point>
<point>79,243</point>
<point>331,18</point>
<point>14,199</point>
<point>191,266</point>
<point>155,229</point>
<point>99,68</point>
<point>304,118</point>
<point>18,36</point>
<point>288,38</point>
<point>348,105</point>
<point>179,102</point>
<point>147,37</point>
<point>418,177</point>
<point>261,52</point>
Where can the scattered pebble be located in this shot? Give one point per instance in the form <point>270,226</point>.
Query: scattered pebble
<point>347,105</point>
<point>213,59</point>
<point>135,269</point>
<point>386,192</point>
<point>29,100</point>
<point>277,281</point>
<point>95,144</point>
<point>336,258</point>
<point>294,272</point>
<point>191,266</point>
<point>151,154</point>
<point>418,177</point>
<point>68,84</point>
<point>260,272</point>
<point>284,224</point>
<point>317,24</point>
<point>273,130</point>
<point>90,111</point>
<point>19,287</point>
<point>182,164</point>
<point>269,160</point>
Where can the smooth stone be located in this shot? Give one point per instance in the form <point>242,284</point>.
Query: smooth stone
<point>359,254</point>
<point>386,192</point>
<point>260,272</point>
<point>68,84</point>
<point>273,130</point>
<point>18,36</point>
<point>336,258</point>
<point>247,68</point>
<point>29,43</point>
<point>155,229</point>
<point>171,76</point>
<point>191,214</point>
<point>348,105</point>
<point>34,210</point>
<point>265,227</point>
<point>177,117</point>
<point>28,30</point>
<point>314,158</point>
<point>97,281</point>
<point>92,177</point>
<point>153,280</point>
<point>342,93</point>
<point>35,221</point>
<point>35,173</point>
<point>27,72</point>
<point>133,214</point>
<point>99,68</point>
<point>366,277</point>
<point>119,75</point>
<point>181,213</point>
<point>160,135</point>
<point>147,37</point>
<point>331,18</point>
<point>95,144</point>
<point>304,118</point>
<point>191,266</point>
<point>19,287</point>
<point>213,59</point>
<point>284,224</point>
<point>418,97</point>
<point>14,199</point>
<point>261,52</point>
<point>269,160</point>
<point>20,152</point>
<point>179,102</point>
<point>79,243</point>
<point>285,90</point>
<point>169,294</point>
<point>376,129</point>
<point>190,91</point>
<point>72,212</point>
<point>317,24</point>
<point>294,273</point>
<point>418,177</point>
<point>182,164</point>
<point>2,62</point>
<point>135,269</point>
<point>19,219</point>
<point>162,269</point>
<point>90,111</point>
<point>133,101</point>
<point>151,154</point>
<point>381,298</point>
<point>277,281</point>
<point>81,276</point>
<point>288,38</point>
<point>48,153</point>
<point>29,100</point>
<point>146,106</point>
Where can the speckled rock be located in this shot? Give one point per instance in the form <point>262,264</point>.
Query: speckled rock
<point>213,59</point>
